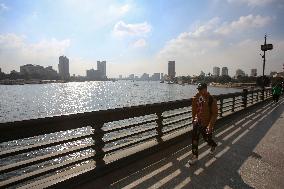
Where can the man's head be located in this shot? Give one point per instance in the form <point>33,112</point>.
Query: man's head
<point>202,88</point>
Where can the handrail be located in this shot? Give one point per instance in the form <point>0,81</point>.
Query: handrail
<point>137,131</point>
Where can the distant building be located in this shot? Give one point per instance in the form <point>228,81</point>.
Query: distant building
<point>131,76</point>
<point>240,73</point>
<point>101,67</point>
<point>63,68</point>
<point>253,72</point>
<point>156,77</point>
<point>38,72</point>
<point>93,74</point>
<point>216,71</point>
<point>225,71</point>
<point>145,77</point>
<point>162,76</point>
<point>171,69</point>
<point>120,76</point>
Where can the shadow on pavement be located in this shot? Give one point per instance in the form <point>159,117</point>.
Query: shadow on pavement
<point>236,139</point>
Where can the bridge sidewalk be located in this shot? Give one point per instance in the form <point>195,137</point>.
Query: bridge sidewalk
<point>250,155</point>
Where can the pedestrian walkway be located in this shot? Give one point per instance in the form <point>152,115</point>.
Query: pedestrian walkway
<point>250,154</point>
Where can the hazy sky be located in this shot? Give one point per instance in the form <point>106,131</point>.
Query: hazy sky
<point>141,36</point>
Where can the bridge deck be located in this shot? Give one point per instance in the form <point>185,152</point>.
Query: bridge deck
<point>250,155</point>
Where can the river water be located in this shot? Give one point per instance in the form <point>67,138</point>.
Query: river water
<point>20,102</point>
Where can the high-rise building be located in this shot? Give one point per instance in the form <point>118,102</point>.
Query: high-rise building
<point>63,68</point>
<point>216,71</point>
<point>253,72</point>
<point>162,76</point>
<point>171,69</point>
<point>225,71</point>
<point>101,67</point>
<point>240,73</point>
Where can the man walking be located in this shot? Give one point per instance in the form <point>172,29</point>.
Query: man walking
<point>204,116</point>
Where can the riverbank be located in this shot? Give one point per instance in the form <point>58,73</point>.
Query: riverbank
<point>23,82</point>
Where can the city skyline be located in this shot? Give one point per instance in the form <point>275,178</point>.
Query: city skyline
<point>101,66</point>
<point>133,38</point>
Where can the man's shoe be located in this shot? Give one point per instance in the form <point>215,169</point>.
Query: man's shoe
<point>193,160</point>
<point>212,150</point>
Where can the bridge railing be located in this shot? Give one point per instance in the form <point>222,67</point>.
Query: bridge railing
<point>35,149</point>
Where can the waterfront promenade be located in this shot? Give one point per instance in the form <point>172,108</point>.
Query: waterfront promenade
<point>147,146</point>
<point>250,155</point>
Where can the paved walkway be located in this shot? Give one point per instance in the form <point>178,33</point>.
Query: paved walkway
<point>250,155</point>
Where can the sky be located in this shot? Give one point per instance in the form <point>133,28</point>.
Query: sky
<point>142,36</point>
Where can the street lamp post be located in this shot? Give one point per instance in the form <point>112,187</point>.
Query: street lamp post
<point>264,48</point>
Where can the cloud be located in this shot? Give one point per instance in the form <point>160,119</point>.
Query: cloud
<point>208,45</point>
<point>15,51</point>
<point>244,23</point>
<point>92,15</point>
<point>139,43</point>
<point>3,7</point>
<point>119,10</point>
<point>122,29</point>
<point>252,3</point>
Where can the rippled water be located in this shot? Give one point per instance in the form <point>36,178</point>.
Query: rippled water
<point>19,102</point>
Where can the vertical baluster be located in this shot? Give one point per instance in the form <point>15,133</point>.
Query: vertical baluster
<point>221,107</point>
<point>233,105</point>
<point>99,145</point>
<point>244,98</point>
<point>160,127</point>
<point>252,98</point>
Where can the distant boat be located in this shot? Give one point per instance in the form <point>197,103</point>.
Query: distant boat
<point>170,82</point>
<point>162,81</point>
<point>136,84</point>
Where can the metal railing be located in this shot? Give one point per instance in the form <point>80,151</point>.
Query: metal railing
<point>111,135</point>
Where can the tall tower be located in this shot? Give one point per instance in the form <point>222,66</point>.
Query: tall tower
<point>63,68</point>
<point>225,71</point>
<point>101,66</point>
<point>216,71</point>
<point>171,69</point>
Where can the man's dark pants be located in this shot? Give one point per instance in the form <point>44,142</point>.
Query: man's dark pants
<point>197,130</point>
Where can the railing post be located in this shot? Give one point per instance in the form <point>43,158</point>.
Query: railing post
<point>262,94</point>
<point>244,98</point>
<point>221,107</point>
<point>234,101</point>
<point>160,127</point>
<point>99,145</point>
<point>252,97</point>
